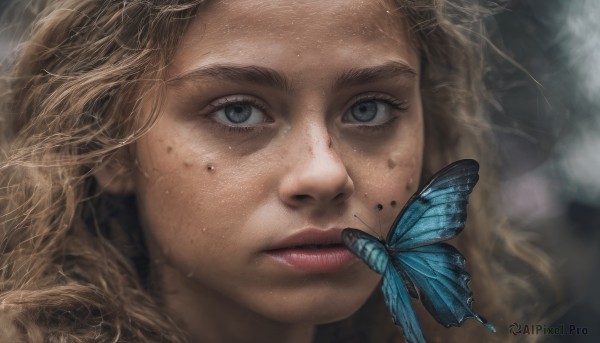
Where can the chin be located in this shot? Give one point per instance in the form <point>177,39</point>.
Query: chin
<point>315,308</point>
<point>316,315</point>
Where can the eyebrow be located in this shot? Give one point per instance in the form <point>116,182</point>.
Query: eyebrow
<point>388,70</point>
<point>271,78</point>
<point>250,74</point>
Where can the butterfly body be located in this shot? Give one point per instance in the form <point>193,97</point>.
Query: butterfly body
<point>414,261</point>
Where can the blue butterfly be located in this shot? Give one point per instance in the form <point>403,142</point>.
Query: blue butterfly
<point>413,261</point>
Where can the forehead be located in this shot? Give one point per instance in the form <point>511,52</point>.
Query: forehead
<point>353,16</point>
<point>243,31</point>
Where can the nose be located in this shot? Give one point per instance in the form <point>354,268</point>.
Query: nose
<point>316,175</point>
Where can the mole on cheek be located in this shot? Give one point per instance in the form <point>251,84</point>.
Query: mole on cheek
<point>391,164</point>
<point>210,168</point>
<point>393,203</point>
<point>169,149</point>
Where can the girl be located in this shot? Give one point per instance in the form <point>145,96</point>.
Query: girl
<point>181,170</point>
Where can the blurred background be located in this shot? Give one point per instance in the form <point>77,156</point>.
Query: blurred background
<point>549,137</point>
<point>547,122</point>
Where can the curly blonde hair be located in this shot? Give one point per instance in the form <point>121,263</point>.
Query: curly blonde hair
<point>73,265</point>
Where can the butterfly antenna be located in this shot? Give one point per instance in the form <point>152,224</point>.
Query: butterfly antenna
<point>379,209</point>
<point>365,224</point>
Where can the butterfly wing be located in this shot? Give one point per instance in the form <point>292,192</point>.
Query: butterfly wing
<point>438,211</point>
<point>374,254</point>
<point>398,301</point>
<point>438,273</point>
<point>367,248</point>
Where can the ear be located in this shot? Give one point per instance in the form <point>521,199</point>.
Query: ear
<point>116,175</point>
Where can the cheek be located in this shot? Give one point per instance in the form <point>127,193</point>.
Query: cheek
<point>388,178</point>
<point>192,205</point>
<point>406,168</point>
<point>391,196</point>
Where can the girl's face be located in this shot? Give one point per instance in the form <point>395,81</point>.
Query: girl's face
<point>283,120</point>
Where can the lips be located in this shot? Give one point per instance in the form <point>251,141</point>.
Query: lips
<point>313,251</point>
<point>311,237</point>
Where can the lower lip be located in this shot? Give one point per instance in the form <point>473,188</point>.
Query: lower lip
<point>324,260</point>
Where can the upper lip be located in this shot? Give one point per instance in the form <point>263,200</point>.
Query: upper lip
<point>310,236</point>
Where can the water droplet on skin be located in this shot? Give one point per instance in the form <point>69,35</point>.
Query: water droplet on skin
<point>203,229</point>
<point>409,184</point>
<point>167,191</point>
<point>229,148</point>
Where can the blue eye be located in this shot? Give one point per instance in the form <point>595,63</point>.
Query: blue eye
<point>237,113</point>
<point>369,112</point>
<point>364,111</point>
<point>242,113</point>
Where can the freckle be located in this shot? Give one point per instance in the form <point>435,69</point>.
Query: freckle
<point>210,167</point>
<point>169,149</point>
<point>393,203</point>
<point>187,164</point>
<point>391,164</point>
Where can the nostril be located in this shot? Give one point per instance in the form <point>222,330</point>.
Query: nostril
<point>339,197</point>
<point>301,197</point>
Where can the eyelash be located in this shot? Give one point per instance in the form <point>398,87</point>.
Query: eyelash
<point>400,105</point>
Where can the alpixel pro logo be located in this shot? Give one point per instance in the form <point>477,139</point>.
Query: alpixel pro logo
<point>537,329</point>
